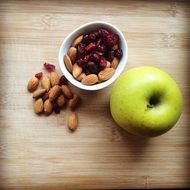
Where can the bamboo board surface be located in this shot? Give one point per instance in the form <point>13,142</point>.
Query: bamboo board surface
<point>39,152</point>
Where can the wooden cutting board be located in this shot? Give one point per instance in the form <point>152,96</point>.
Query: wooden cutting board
<point>38,152</point>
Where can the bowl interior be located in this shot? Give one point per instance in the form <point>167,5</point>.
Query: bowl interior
<point>85,29</point>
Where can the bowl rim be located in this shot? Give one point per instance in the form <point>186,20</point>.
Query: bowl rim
<point>101,85</point>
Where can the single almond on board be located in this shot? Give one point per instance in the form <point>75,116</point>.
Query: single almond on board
<point>54,92</point>
<point>67,91</point>
<point>61,100</point>
<point>106,74</point>
<point>77,70</point>
<point>81,76</point>
<point>32,84</point>
<point>38,106</point>
<point>54,78</point>
<point>48,107</point>
<point>68,63</point>
<point>73,121</point>
<point>72,53</point>
<point>74,102</point>
<point>39,93</point>
<point>45,83</point>
<point>77,41</point>
<point>114,63</point>
<point>90,79</point>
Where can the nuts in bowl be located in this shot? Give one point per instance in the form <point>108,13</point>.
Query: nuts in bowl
<point>93,55</point>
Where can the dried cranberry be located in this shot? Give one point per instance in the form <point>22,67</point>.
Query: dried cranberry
<point>96,57</point>
<point>88,58</point>
<point>81,48</point>
<point>92,36</point>
<point>90,47</point>
<point>99,41</point>
<point>92,67</point>
<point>79,56</point>
<point>86,71</point>
<point>81,63</point>
<point>39,75</point>
<point>86,39</point>
<point>101,48</point>
<point>111,39</point>
<point>62,80</point>
<point>103,32</point>
<point>99,53</point>
<point>49,67</point>
<point>119,53</point>
<point>111,55</point>
<point>103,63</point>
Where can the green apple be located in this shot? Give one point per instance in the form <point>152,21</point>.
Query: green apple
<point>146,101</point>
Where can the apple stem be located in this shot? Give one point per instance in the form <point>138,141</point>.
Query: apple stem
<point>150,106</point>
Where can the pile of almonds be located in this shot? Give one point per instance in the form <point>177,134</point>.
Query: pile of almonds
<point>52,94</point>
<point>93,57</point>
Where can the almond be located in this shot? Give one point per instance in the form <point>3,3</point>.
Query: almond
<point>54,78</point>
<point>90,79</point>
<point>61,101</point>
<point>54,92</point>
<point>68,63</point>
<point>77,41</point>
<point>72,53</point>
<point>33,84</point>
<point>108,64</point>
<point>38,106</point>
<point>74,102</point>
<point>45,83</point>
<point>66,91</point>
<point>77,70</point>
<point>39,93</point>
<point>81,76</point>
<point>106,74</point>
<point>73,121</point>
<point>48,107</point>
<point>114,63</point>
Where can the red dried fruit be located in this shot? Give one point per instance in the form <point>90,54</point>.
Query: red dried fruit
<point>39,75</point>
<point>80,56</point>
<point>103,63</point>
<point>49,67</point>
<point>62,80</point>
<point>81,48</point>
<point>99,53</point>
<point>92,36</point>
<point>88,58</point>
<point>92,67</point>
<point>86,39</point>
<point>111,39</point>
<point>103,32</point>
<point>90,47</point>
<point>81,63</point>
<point>86,71</point>
<point>96,57</point>
<point>119,53</point>
<point>111,55</point>
<point>101,48</point>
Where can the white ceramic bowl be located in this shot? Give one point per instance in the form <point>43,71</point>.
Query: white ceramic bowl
<point>85,29</point>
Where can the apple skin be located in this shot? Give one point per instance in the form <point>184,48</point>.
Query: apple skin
<point>146,101</point>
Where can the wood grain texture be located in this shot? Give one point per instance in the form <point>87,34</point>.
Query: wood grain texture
<point>39,152</point>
